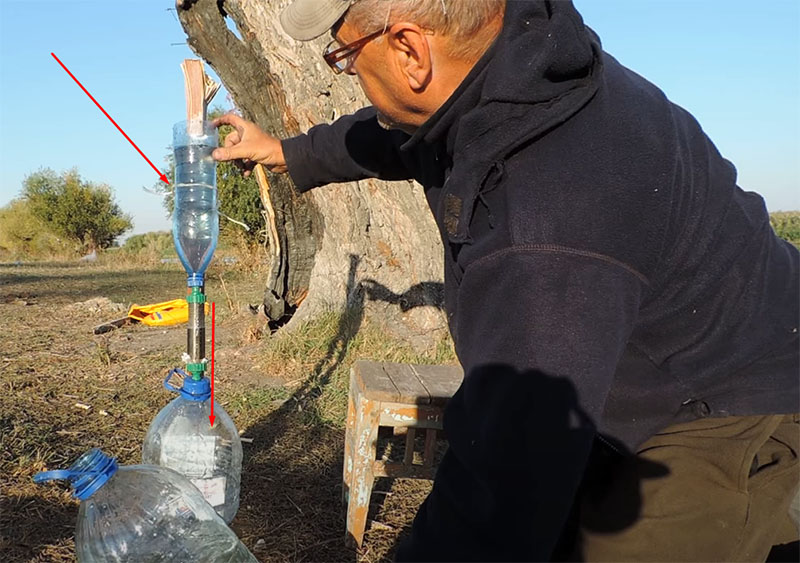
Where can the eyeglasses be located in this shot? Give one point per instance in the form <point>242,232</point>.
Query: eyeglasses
<point>339,58</point>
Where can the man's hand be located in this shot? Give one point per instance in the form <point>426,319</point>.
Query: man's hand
<point>250,145</point>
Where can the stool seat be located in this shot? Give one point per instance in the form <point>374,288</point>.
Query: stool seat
<point>407,383</point>
<point>384,394</point>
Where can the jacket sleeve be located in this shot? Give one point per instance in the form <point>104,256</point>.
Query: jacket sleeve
<point>351,148</point>
<point>539,334</point>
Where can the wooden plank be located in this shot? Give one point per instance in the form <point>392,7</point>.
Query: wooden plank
<point>399,470</point>
<point>408,385</point>
<point>441,382</point>
<point>349,446</point>
<point>111,325</point>
<point>362,476</point>
<point>372,381</point>
<point>399,415</point>
<point>194,80</point>
<point>199,89</point>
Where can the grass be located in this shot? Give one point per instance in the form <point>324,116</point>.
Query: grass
<point>285,392</point>
<point>319,353</point>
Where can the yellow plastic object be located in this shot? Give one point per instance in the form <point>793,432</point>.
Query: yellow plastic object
<point>162,314</point>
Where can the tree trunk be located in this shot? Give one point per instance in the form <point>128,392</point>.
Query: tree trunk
<point>367,244</point>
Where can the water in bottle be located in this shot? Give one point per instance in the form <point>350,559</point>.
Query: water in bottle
<point>195,225</point>
<point>182,438</point>
<point>144,514</point>
<point>195,220</point>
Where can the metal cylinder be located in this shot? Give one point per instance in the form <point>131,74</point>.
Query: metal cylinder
<point>196,332</point>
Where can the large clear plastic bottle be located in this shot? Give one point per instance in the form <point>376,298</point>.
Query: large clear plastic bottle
<point>182,438</point>
<point>195,220</point>
<point>144,514</point>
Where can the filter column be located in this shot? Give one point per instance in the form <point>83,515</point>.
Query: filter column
<point>196,331</point>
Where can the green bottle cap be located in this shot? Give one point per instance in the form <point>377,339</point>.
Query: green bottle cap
<point>196,296</point>
<point>196,369</point>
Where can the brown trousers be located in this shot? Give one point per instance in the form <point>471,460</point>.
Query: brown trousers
<point>722,494</point>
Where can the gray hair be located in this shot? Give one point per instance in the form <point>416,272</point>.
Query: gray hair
<point>463,22</point>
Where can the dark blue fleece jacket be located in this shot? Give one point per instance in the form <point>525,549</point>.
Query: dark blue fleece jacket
<point>604,275</point>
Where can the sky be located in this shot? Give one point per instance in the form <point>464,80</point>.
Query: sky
<point>734,64</point>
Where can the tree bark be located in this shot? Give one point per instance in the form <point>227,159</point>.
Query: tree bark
<point>367,244</point>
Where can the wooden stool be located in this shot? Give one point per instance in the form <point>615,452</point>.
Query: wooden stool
<point>392,395</point>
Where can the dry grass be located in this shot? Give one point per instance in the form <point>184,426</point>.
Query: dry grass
<point>285,392</point>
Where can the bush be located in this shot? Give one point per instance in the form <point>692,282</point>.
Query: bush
<point>82,211</point>
<point>155,244</point>
<point>22,234</point>
<point>787,225</point>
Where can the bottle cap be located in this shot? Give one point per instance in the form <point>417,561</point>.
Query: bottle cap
<point>196,296</point>
<point>191,389</point>
<point>90,472</point>
<point>195,279</point>
<point>196,368</point>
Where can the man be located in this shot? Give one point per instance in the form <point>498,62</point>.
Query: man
<point>609,288</point>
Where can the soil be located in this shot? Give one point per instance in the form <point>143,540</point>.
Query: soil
<point>64,390</point>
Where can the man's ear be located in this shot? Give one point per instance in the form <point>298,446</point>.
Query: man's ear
<point>412,54</point>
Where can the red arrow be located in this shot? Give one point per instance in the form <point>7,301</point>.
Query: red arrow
<point>161,175</point>
<point>213,322</point>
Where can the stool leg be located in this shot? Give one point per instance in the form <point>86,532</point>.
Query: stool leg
<point>362,478</point>
<point>408,455</point>
<point>430,448</point>
<point>349,433</point>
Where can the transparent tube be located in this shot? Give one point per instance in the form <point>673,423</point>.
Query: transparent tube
<point>195,219</point>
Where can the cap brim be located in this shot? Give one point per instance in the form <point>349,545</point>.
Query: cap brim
<point>307,19</point>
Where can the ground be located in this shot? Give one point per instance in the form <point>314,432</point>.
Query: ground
<point>64,390</point>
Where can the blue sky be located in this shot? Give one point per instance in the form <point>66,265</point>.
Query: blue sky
<point>734,64</point>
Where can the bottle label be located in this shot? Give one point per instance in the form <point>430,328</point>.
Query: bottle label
<point>177,507</point>
<point>189,455</point>
<point>213,490</point>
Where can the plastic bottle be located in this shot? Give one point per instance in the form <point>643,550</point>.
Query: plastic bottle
<point>182,438</point>
<point>195,219</point>
<point>143,513</point>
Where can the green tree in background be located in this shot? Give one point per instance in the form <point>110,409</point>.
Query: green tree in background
<point>23,235</point>
<point>787,225</point>
<point>82,211</point>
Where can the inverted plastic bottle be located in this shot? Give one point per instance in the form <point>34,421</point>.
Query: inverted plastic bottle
<point>195,219</point>
<point>181,437</point>
<point>143,514</point>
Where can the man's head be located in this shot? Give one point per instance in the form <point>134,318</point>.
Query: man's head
<point>409,55</point>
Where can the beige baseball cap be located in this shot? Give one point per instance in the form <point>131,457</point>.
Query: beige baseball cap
<point>307,19</point>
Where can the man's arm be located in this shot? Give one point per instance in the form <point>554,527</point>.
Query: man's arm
<point>351,148</point>
<point>539,333</point>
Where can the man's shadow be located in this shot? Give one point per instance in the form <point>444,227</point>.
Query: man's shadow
<point>290,507</point>
<point>525,474</point>
<point>430,294</point>
<point>291,480</point>
<point>290,504</point>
